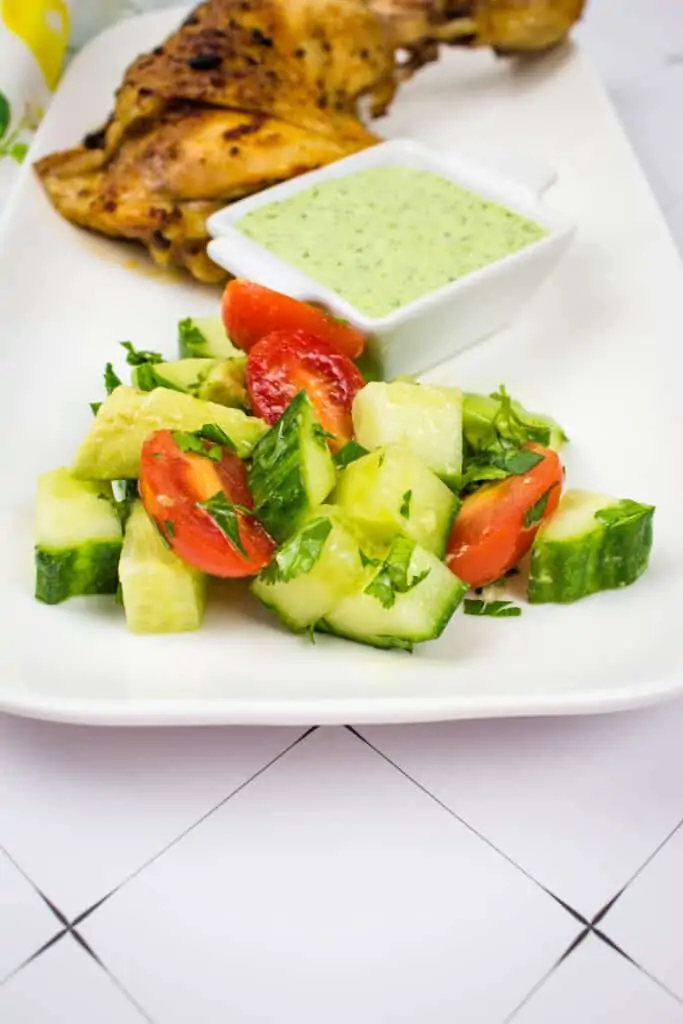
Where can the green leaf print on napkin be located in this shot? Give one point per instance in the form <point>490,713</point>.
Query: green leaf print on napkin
<point>11,143</point>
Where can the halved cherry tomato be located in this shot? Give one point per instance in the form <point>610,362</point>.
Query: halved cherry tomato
<point>491,535</point>
<point>286,362</point>
<point>250,312</point>
<point>174,481</point>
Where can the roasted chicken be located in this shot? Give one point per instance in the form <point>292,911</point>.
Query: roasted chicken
<point>250,92</point>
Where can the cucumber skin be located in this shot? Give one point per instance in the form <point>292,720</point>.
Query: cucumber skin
<point>276,477</point>
<point>606,559</point>
<point>91,568</point>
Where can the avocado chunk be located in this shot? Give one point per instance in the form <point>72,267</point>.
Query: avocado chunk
<point>112,446</point>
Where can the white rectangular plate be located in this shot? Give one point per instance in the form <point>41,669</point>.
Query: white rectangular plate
<point>600,349</point>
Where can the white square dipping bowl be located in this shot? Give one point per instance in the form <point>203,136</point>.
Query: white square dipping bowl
<point>433,328</point>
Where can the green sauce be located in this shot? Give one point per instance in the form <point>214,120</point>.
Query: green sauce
<point>385,237</point>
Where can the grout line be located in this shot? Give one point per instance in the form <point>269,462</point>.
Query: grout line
<point>574,913</point>
<point>629,959</point>
<point>90,910</point>
<point>34,956</point>
<point>597,918</point>
<point>238,789</point>
<point>80,941</point>
<point>654,853</point>
<point>63,920</point>
<point>570,910</point>
<point>541,981</point>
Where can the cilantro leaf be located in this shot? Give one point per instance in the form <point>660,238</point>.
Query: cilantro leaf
<point>494,609</point>
<point>111,380</point>
<point>137,357</point>
<point>392,578</point>
<point>300,554</point>
<point>405,504</point>
<point>321,435</point>
<point>534,514</point>
<point>510,424</point>
<point>225,516</point>
<point>625,511</point>
<point>191,340</point>
<point>147,379</point>
<point>517,461</point>
<point>348,454</point>
<point>212,432</point>
<point>366,560</point>
<point>95,406</point>
<point>162,536</point>
<point>188,442</point>
<point>497,466</point>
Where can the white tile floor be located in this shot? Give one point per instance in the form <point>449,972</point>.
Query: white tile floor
<point>431,874</point>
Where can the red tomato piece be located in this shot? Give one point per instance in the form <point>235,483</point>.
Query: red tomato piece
<point>286,362</point>
<point>172,484</point>
<point>250,312</point>
<point>491,535</point>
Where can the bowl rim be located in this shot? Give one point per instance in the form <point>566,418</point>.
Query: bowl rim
<point>513,179</point>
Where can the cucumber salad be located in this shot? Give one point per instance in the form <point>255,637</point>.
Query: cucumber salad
<point>371,510</point>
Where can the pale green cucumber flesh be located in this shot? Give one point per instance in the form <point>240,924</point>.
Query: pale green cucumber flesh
<point>390,493</point>
<point>424,418</point>
<point>331,569</point>
<point>161,594</point>
<point>77,538</point>
<point>292,470</point>
<point>419,609</point>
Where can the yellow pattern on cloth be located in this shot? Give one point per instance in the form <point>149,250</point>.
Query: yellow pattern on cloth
<point>44,26</point>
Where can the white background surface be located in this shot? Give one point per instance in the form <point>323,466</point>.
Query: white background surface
<point>407,874</point>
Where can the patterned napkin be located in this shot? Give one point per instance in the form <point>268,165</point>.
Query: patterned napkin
<point>37,37</point>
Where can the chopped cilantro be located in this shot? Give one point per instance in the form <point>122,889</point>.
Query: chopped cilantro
<point>625,511</point>
<point>188,442</point>
<point>212,432</point>
<point>534,514</point>
<point>136,357</point>
<point>192,341</point>
<point>348,454</point>
<point>300,554</point>
<point>392,578</point>
<point>495,609</point>
<point>111,379</point>
<point>405,504</point>
<point>225,516</point>
<point>162,536</point>
<point>147,379</point>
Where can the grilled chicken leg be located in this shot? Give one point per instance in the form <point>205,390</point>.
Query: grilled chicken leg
<point>250,92</point>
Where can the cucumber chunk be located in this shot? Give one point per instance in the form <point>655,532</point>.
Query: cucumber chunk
<point>391,492</point>
<point>292,470</point>
<point>410,597</point>
<point>161,594</point>
<point>487,419</point>
<point>312,572</point>
<point>204,337</point>
<point>591,543</point>
<point>77,538</point>
<point>111,449</point>
<point>422,417</point>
